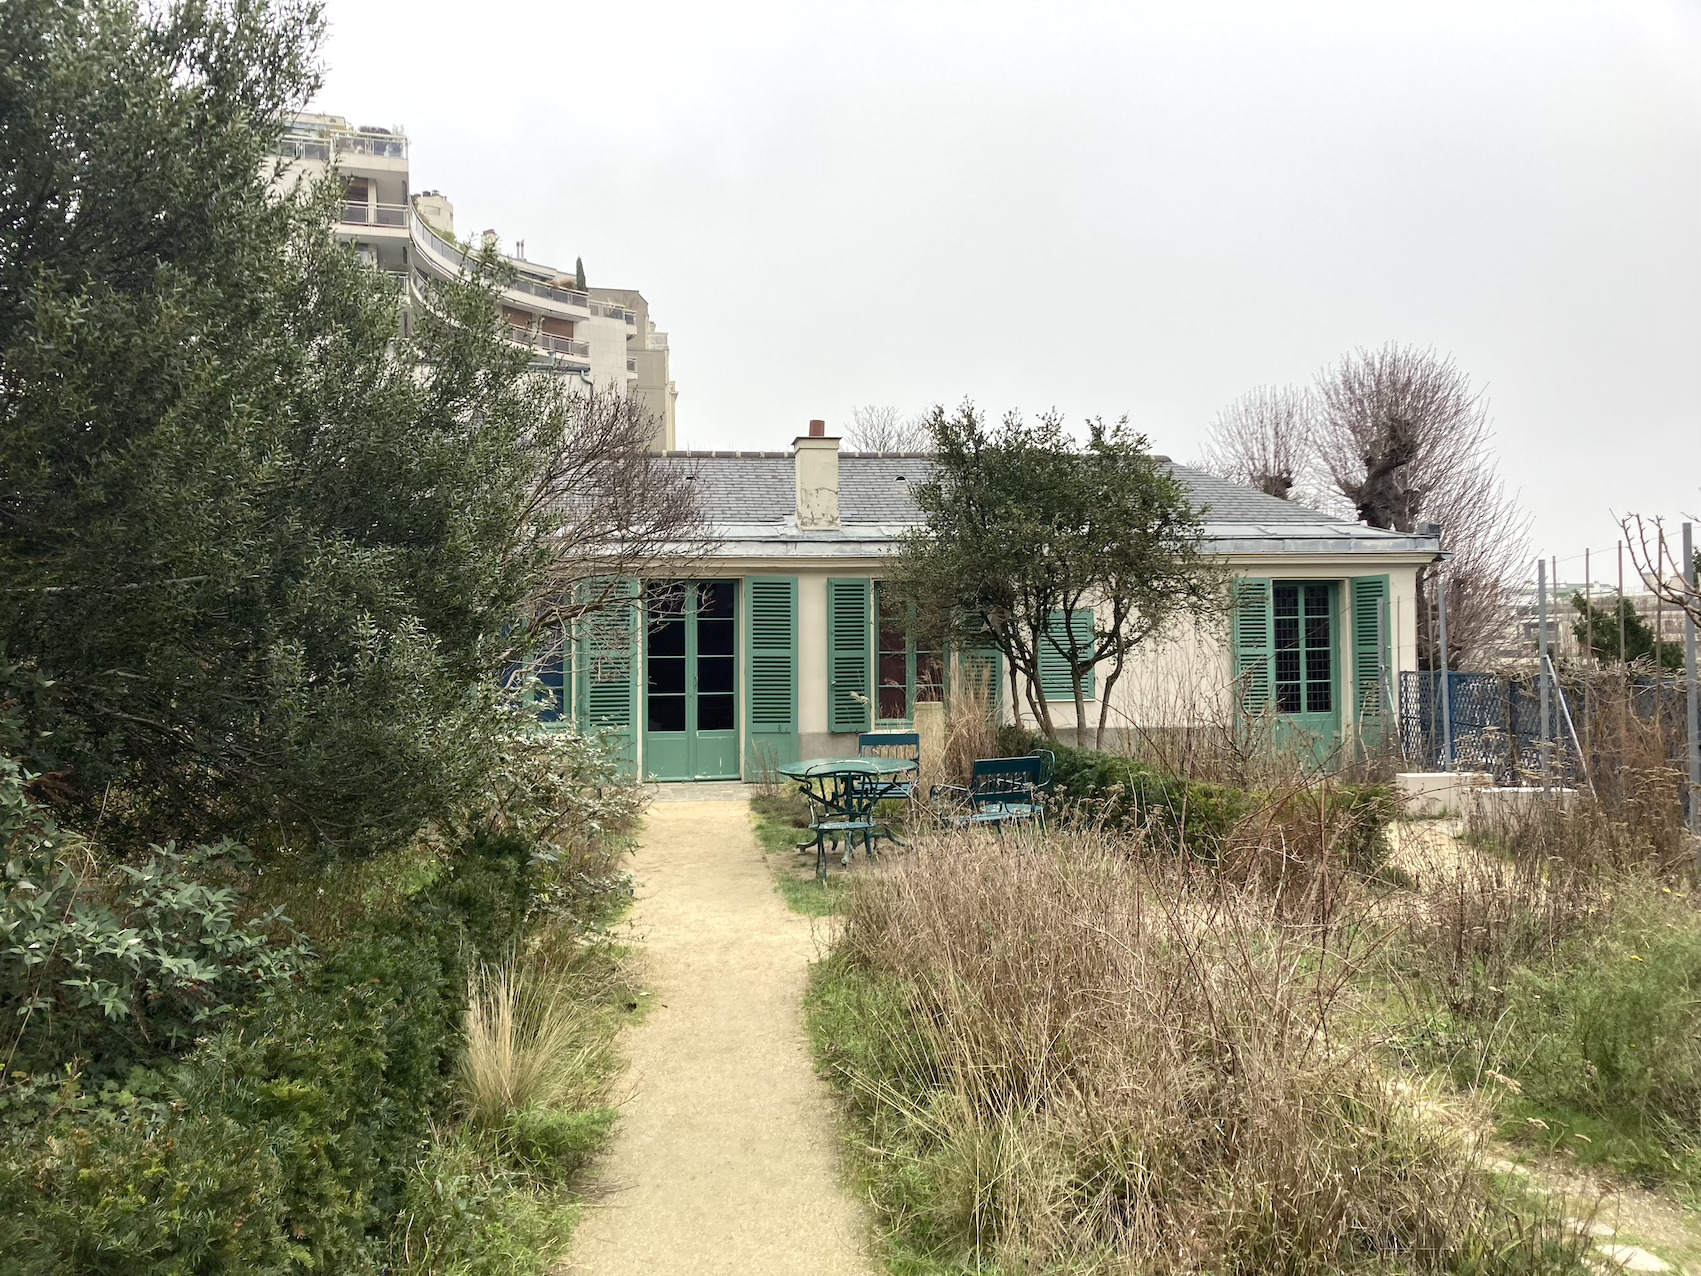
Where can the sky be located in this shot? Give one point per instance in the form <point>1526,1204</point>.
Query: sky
<point>1102,208</point>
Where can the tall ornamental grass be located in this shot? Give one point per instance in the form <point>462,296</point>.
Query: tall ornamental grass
<point>1064,1057</point>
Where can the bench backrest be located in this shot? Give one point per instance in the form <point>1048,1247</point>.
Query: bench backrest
<point>1006,777</point>
<point>890,744</point>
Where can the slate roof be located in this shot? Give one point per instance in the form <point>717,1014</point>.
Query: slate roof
<point>751,497</point>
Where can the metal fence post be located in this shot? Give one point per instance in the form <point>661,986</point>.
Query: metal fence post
<point>1541,672</point>
<point>1692,685</point>
<point>1446,691</point>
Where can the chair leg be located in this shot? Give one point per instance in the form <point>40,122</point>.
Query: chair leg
<point>821,857</point>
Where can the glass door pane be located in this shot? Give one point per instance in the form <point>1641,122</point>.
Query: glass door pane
<point>664,649</point>
<point>1319,650</point>
<point>893,694</point>
<point>716,638</point>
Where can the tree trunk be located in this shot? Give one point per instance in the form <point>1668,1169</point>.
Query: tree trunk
<point>1104,699</point>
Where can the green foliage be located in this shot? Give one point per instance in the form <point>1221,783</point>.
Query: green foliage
<point>1604,1042</point>
<point>1020,522</point>
<point>562,793</point>
<point>489,888</point>
<point>1121,793</point>
<point>259,548</point>
<point>286,1141</point>
<point>124,966</point>
<point>1350,820</point>
<point>557,1142</point>
<point>1597,630</point>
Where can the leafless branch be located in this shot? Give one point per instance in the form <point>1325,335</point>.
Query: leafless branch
<point>614,510</point>
<point>1263,439</point>
<point>1406,440</point>
<point>1657,558</point>
<point>881,427</point>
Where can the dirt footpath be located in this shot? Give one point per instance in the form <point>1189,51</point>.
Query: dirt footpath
<point>726,1157</point>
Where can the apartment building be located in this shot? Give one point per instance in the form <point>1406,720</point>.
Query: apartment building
<point>602,336</point>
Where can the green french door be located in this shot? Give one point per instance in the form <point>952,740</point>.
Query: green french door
<point>1306,664</point>
<point>690,680</point>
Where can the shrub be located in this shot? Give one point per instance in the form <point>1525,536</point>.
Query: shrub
<point>488,890</point>
<point>286,1140</point>
<point>1266,834</point>
<point>1119,793</point>
<point>120,964</point>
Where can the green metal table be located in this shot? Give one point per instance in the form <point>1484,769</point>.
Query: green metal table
<point>845,791</point>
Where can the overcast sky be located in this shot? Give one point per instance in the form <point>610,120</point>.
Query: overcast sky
<point>1106,208</point>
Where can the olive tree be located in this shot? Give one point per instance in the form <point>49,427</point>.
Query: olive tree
<point>1022,524</point>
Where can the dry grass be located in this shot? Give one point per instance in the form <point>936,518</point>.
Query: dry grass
<point>530,1042</point>
<point>1068,1057</point>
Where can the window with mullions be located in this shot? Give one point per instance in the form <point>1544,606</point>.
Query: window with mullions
<point>1304,648</point>
<point>905,676</point>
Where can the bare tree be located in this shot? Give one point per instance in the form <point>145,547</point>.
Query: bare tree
<point>611,512</point>
<point>1658,559</point>
<point>1263,439</point>
<point>881,427</point>
<point>1405,439</point>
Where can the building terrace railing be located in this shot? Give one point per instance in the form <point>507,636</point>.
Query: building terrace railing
<point>555,345</point>
<point>435,241</point>
<point>355,214</point>
<point>390,147</point>
<point>305,148</point>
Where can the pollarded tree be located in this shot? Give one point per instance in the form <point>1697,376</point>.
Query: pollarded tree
<point>1053,551</point>
<point>1263,440</point>
<point>1405,439</point>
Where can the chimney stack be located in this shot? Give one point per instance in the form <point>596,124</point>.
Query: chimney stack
<point>816,457</point>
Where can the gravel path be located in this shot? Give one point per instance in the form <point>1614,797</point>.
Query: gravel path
<point>726,1157</point>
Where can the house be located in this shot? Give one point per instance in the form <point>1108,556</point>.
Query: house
<point>785,647</point>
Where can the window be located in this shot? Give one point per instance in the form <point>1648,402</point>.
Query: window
<point>1304,647</point>
<point>905,676</point>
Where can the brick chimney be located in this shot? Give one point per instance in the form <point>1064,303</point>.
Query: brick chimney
<point>817,460</point>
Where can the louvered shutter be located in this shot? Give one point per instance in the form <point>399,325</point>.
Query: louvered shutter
<point>1372,650</point>
<point>984,666</point>
<point>608,667</point>
<point>1054,663</point>
<point>849,661</point>
<point>1253,643</point>
<point>771,681</point>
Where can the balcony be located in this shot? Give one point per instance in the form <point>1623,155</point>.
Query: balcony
<point>432,242</point>
<point>565,347</point>
<point>565,296</point>
<point>305,148</point>
<point>375,145</point>
<point>375,215</point>
<point>629,317</point>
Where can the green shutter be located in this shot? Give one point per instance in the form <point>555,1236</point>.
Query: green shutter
<point>608,667</point>
<point>1054,663</point>
<point>1371,659</point>
<point>1254,640</point>
<point>849,661</point>
<point>770,644</point>
<point>986,663</point>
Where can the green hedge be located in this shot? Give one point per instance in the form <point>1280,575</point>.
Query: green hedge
<point>1123,794</point>
<point>1203,818</point>
<point>292,1139</point>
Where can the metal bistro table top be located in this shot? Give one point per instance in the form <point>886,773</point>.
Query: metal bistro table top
<point>822,768</point>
